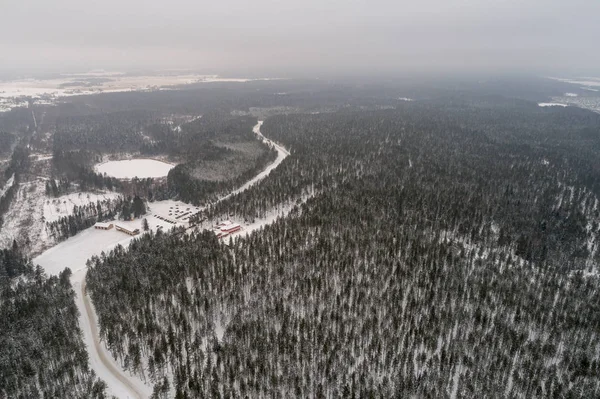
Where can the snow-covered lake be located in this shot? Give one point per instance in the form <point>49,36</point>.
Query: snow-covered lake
<point>130,168</point>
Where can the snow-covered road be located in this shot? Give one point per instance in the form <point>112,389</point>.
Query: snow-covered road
<point>282,153</point>
<point>75,251</point>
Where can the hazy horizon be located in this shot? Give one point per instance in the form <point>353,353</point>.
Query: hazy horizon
<point>301,38</point>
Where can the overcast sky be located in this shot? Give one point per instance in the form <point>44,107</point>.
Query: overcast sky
<point>301,35</point>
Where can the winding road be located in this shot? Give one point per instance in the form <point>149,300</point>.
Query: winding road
<point>74,252</point>
<point>132,386</point>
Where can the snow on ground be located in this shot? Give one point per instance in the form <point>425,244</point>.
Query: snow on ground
<point>7,185</point>
<point>55,208</point>
<point>130,168</point>
<point>6,104</point>
<point>75,251</point>
<point>571,94</point>
<point>552,105</point>
<point>405,99</point>
<point>174,211</point>
<point>41,157</point>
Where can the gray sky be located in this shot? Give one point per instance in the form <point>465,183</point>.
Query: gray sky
<point>316,36</point>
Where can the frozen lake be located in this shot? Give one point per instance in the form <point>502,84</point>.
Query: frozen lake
<point>130,168</point>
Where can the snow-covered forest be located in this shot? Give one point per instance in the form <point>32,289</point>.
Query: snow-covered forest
<point>42,353</point>
<point>441,247</point>
<point>450,250</point>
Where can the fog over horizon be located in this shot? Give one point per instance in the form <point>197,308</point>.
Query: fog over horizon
<point>273,38</point>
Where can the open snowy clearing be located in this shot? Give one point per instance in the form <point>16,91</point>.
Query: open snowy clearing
<point>55,208</point>
<point>28,213</point>
<point>130,168</point>
<point>75,251</point>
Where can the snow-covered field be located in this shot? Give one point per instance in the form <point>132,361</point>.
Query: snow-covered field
<point>48,90</point>
<point>130,168</point>
<point>552,105</point>
<point>584,81</point>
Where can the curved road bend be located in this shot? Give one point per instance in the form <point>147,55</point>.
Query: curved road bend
<point>115,371</point>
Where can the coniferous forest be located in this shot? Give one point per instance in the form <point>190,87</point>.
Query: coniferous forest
<point>42,352</point>
<point>445,249</point>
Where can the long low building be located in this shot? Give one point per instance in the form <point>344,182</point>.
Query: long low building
<point>231,228</point>
<point>127,230</point>
<point>103,226</point>
<point>225,228</point>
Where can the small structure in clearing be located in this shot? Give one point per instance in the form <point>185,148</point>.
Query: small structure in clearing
<point>103,226</point>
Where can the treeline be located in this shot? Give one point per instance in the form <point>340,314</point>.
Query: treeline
<point>42,354</point>
<point>442,255</point>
